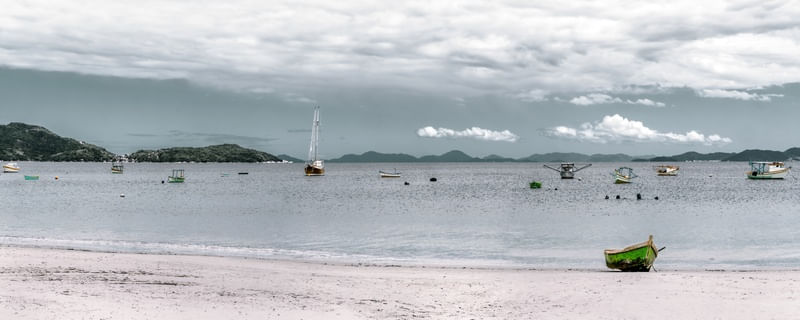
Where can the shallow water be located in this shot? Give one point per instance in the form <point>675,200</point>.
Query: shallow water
<point>710,216</point>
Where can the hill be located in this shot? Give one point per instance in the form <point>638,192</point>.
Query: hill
<point>372,156</point>
<point>216,153</point>
<point>758,155</point>
<point>24,142</point>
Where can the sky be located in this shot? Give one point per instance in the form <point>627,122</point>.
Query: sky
<point>511,78</point>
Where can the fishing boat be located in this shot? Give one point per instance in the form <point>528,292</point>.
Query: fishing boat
<point>638,257</point>
<point>767,170</point>
<point>385,174</point>
<point>177,176</point>
<point>10,167</point>
<point>31,177</point>
<point>623,175</point>
<point>667,171</point>
<point>567,169</point>
<point>117,167</point>
<point>314,166</point>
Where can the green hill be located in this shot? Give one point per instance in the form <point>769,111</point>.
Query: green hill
<point>24,142</point>
<point>217,153</point>
<point>758,155</point>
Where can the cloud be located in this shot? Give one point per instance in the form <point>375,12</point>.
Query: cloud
<point>474,133</point>
<point>617,128</point>
<point>736,94</point>
<point>599,98</point>
<point>456,48</point>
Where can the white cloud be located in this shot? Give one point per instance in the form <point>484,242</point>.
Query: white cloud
<point>455,48</point>
<point>474,133</point>
<point>736,94</point>
<point>599,98</point>
<point>535,95</point>
<point>617,128</point>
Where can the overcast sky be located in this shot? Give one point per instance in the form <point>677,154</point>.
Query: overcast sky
<point>510,78</point>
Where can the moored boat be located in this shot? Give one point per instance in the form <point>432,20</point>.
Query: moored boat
<point>117,167</point>
<point>623,175</point>
<point>11,167</point>
<point>536,185</point>
<point>767,170</point>
<point>31,177</point>
<point>638,257</point>
<point>314,166</point>
<point>667,171</point>
<point>385,174</point>
<point>568,169</point>
<point>177,176</point>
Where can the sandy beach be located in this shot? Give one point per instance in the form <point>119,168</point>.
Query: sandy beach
<point>66,284</point>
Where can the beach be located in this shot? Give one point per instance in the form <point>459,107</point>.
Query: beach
<point>38,283</point>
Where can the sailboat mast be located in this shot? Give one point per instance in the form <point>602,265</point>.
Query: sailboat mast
<point>312,148</point>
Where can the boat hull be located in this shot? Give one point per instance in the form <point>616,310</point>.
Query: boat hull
<point>667,174</point>
<point>175,179</point>
<point>389,174</point>
<point>635,258</point>
<point>314,171</point>
<point>115,171</point>
<point>31,177</point>
<point>777,174</point>
<point>622,180</point>
<point>8,169</point>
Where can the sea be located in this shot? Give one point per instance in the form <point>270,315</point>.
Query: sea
<point>709,217</point>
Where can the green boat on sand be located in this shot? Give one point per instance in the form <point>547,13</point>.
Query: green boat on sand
<point>638,257</point>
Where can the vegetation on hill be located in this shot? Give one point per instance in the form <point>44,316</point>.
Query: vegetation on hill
<point>24,142</point>
<point>217,153</point>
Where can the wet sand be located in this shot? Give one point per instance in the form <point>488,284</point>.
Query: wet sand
<point>66,284</point>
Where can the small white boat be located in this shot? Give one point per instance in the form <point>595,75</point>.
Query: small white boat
<point>10,167</point>
<point>385,174</point>
<point>767,170</point>
<point>623,175</point>
<point>667,171</point>
<point>568,169</point>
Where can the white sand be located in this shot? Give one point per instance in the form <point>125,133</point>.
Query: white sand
<point>64,284</point>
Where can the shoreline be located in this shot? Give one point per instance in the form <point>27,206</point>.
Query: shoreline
<point>38,283</point>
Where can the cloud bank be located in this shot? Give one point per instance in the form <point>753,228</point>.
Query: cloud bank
<point>461,47</point>
<point>599,98</point>
<point>617,128</point>
<point>473,133</point>
<point>736,94</point>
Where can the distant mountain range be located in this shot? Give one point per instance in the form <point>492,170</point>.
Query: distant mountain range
<point>19,141</point>
<point>458,156</point>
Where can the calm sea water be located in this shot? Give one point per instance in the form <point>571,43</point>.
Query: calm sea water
<point>710,216</point>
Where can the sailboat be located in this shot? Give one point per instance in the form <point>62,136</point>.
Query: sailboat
<point>314,166</point>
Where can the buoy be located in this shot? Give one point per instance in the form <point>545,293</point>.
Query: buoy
<point>606,197</point>
<point>555,188</point>
<point>656,198</point>
<point>433,179</point>
<point>56,177</point>
<point>122,195</point>
<point>638,196</point>
<point>406,183</point>
<point>162,181</point>
<point>617,197</point>
<point>580,179</point>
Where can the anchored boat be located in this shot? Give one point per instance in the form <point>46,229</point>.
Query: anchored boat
<point>568,169</point>
<point>10,167</point>
<point>31,177</point>
<point>638,257</point>
<point>177,176</point>
<point>117,167</point>
<point>623,175</point>
<point>314,166</point>
<point>767,170</point>
<point>385,174</point>
<point>667,171</point>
